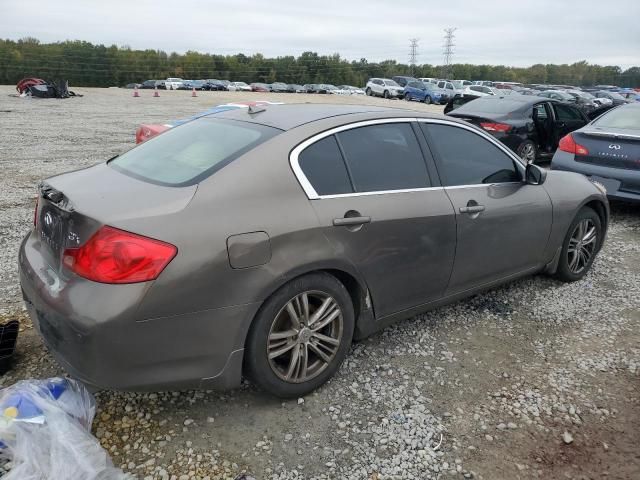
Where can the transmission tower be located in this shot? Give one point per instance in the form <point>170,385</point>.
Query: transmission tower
<point>413,53</point>
<point>448,50</point>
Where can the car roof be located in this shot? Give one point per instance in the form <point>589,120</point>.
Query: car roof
<point>288,116</point>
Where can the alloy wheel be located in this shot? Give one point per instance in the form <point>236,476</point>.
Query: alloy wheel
<point>582,245</point>
<point>528,153</point>
<point>305,336</point>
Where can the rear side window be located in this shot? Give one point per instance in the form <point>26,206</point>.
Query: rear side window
<point>191,152</point>
<point>324,167</point>
<point>384,157</point>
<point>465,158</point>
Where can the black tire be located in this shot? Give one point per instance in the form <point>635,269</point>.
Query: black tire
<point>427,99</point>
<point>258,367</point>
<point>386,94</point>
<point>407,97</point>
<point>527,151</point>
<point>565,272</point>
<point>368,92</point>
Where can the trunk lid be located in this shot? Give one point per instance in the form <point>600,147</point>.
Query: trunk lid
<point>614,148</point>
<point>72,206</point>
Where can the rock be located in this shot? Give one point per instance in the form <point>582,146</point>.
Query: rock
<point>567,437</point>
<point>188,422</point>
<point>300,401</point>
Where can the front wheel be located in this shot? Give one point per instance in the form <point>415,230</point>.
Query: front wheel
<point>427,99</point>
<point>368,92</point>
<point>407,97</point>
<point>300,336</point>
<point>580,246</point>
<point>386,94</point>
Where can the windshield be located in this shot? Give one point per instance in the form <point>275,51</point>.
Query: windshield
<point>241,84</point>
<point>191,152</point>
<point>391,83</point>
<point>616,96</point>
<point>621,117</point>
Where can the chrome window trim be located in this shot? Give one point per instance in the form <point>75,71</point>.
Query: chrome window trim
<point>484,135</point>
<point>313,195</point>
<point>302,178</point>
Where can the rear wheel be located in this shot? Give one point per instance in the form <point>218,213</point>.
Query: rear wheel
<point>527,151</point>
<point>427,99</point>
<point>580,246</point>
<point>300,336</point>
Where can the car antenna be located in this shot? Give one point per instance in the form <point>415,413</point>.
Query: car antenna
<point>256,109</point>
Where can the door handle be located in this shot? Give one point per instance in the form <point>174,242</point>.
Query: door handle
<point>350,221</point>
<point>472,209</point>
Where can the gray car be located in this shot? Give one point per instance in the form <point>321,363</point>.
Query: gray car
<point>607,150</point>
<point>263,241</point>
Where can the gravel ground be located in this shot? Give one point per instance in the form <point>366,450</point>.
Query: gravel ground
<point>537,379</point>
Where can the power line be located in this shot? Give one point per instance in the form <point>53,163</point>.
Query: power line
<point>448,50</point>
<point>413,54</point>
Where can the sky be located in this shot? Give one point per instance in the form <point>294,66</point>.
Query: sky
<point>506,32</point>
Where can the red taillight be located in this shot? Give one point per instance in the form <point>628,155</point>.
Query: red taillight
<point>495,127</point>
<point>116,256</point>
<point>568,144</point>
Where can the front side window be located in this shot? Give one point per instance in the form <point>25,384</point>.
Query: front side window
<point>191,152</point>
<point>384,157</point>
<point>466,158</point>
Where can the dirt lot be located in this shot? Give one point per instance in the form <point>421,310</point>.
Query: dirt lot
<point>484,388</point>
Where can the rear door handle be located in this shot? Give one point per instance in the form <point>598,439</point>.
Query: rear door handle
<point>472,209</point>
<point>350,221</point>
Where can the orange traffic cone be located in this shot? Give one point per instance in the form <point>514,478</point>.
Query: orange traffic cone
<point>193,92</point>
<point>155,93</point>
<point>136,94</point>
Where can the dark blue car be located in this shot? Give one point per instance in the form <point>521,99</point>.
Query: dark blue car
<point>425,92</point>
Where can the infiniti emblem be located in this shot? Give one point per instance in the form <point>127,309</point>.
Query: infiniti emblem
<point>614,146</point>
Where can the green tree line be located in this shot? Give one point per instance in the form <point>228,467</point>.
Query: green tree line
<point>86,64</point>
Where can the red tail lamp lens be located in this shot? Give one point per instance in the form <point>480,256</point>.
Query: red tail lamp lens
<point>115,256</point>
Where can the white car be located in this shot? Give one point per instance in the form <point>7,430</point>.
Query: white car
<point>352,90</point>
<point>384,87</point>
<point>450,88</point>
<point>461,84</point>
<point>332,89</point>
<point>173,83</point>
<point>238,87</point>
<point>481,90</point>
<point>428,80</point>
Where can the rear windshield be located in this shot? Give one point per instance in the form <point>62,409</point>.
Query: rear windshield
<point>628,117</point>
<point>490,105</point>
<point>191,152</point>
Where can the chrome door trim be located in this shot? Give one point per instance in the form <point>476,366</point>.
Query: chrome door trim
<point>313,195</point>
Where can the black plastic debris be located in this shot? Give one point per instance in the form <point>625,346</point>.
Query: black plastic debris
<point>8,338</point>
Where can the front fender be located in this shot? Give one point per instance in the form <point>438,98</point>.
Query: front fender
<point>569,192</point>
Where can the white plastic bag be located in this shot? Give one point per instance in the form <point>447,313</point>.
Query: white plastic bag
<point>45,429</point>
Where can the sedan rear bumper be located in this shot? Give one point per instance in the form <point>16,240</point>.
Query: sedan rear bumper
<point>92,331</point>
<point>621,184</point>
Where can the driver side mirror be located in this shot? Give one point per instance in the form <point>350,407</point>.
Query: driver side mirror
<point>534,175</point>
